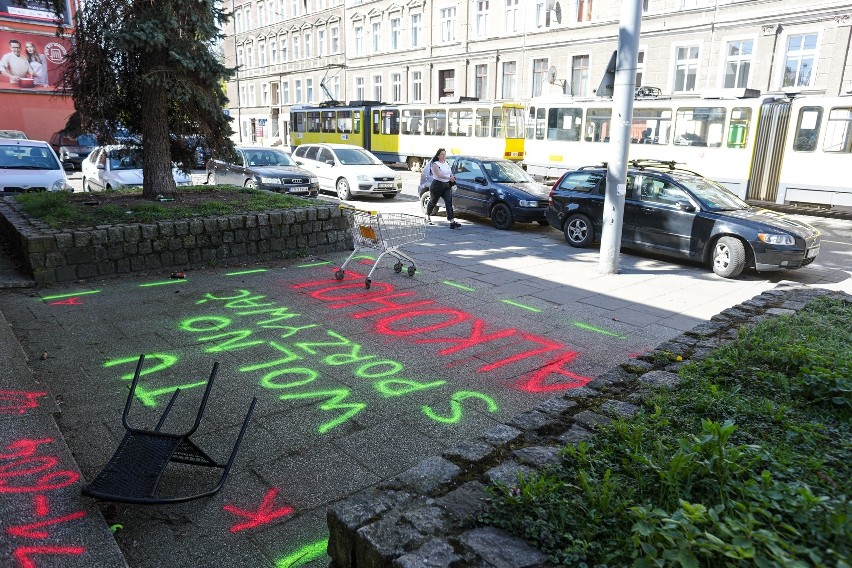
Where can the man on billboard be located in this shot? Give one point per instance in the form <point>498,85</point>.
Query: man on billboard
<point>13,65</point>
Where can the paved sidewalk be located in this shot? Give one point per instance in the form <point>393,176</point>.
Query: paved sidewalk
<point>354,386</point>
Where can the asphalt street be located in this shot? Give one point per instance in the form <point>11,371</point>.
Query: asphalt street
<point>353,385</point>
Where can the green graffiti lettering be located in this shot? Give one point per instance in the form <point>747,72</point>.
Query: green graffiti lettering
<point>149,397</point>
<point>456,407</point>
<point>290,357</point>
<point>308,346</point>
<point>400,387</point>
<point>347,358</point>
<point>210,297</point>
<point>335,396</point>
<point>293,330</point>
<point>270,323</point>
<point>165,361</point>
<point>304,555</point>
<point>274,311</point>
<point>234,343</point>
<point>267,382</point>
<point>196,324</point>
<point>248,303</point>
<point>364,372</point>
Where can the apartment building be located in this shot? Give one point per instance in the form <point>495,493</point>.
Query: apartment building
<point>292,52</point>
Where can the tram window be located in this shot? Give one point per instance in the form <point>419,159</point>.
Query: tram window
<point>377,125</point>
<point>700,126</point>
<point>328,120</point>
<point>461,122</point>
<point>483,116</point>
<point>807,129</point>
<point>356,122</point>
<point>531,123</point>
<point>738,130</point>
<point>651,126</point>
<point>344,121</point>
<point>496,122</point>
<point>838,131</point>
<point>299,122</point>
<point>597,124</point>
<point>390,121</point>
<point>411,121</point>
<point>313,122</point>
<point>564,124</point>
<point>435,122</point>
<point>514,118</point>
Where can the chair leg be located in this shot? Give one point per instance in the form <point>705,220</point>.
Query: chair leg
<point>203,400</point>
<point>132,392</point>
<point>236,446</point>
<point>166,412</point>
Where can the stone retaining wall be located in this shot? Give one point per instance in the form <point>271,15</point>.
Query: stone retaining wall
<point>52,255</point>
<point>426,516</point>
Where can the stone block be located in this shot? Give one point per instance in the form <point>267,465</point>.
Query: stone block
<point>556,406</point>
<point>538,456</point>
<point>507,473</point>
<point>436,553</point>
<point>619,409</point>
<point>181,228</point>
<point>428,475</point>
<point>574,435</point>
<point>64,240</point>
<point>464,503</point>
<point>380,543</point>
<point>591,420</point>
<point>532,421</point>
<point>499,549</point>
<point>469,452</point>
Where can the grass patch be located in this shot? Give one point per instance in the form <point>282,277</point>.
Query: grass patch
<point>747,463</point>
<point>62,210</point>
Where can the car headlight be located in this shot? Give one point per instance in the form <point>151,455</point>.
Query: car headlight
<point>60,185</point>
<point>525,203</point>
<point>71,154</point>
<point>264,179</point>
<point>364,178</point>
<point>313,180</point>
<point>774,239</point>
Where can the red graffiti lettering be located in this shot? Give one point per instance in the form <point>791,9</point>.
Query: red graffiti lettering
<point>18,402</point>
<point>24,448</point>
<point>28,531</point>
<point>456,316</point>
<point>476,337</point>
<point>536,381</point>
<point>22,553</point>
<point>388,303</point>
<point>40,505</point>
<point>24,463</point>
<point>75,301</point>
<point>546,343</point>
<point>265,514</point>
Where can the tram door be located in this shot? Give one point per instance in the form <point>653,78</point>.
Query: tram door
<point>768,151</point>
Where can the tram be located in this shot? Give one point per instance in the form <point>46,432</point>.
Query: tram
<point>769,147</point>
<point>412,133</point>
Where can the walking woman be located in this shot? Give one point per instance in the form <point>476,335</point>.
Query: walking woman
<point>442,187</point>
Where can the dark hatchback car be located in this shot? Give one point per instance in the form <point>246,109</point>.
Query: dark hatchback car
<point>680,213</point>
<point>73,149</point>
<point>494,188</point>
<point>263,168</point>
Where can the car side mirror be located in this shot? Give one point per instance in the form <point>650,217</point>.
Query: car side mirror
<point>299,162</point>
<point>101,167</point>
<point>685,206</point>
<point>480,180</point>
<point>68,167</point>
<point>330,162</point>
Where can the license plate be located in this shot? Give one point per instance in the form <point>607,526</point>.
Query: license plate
<point>813,252</point>
<point>298,190</point>
<point>385,185</point>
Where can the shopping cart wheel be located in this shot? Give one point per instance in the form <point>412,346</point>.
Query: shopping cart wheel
<point>339,275</point>
<point>397,267</point>
<point>411,270</point>
<point>367,283</point>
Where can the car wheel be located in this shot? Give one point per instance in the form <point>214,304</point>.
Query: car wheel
<point>426,202</point>
<point>388,195</point>
<point>415,164</point>
<point>343,189</point>
<point>251,184</point>
<point>211,178</point>
<point>729,257</point>
<point>579,231</point>
<point>501,217</point>
<point>86,186</point>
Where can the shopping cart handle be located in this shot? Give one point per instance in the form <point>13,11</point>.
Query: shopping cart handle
<point>350,208</point>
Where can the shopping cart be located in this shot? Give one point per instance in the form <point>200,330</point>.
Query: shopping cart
<point>386,232</point>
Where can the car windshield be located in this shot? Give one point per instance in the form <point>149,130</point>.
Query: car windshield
<point>13,134</point>
<point>355,157</point>
<point>125,159</point>
<point>86,140</point>
<point>506,172</point>
<point>711,195</point>
<point>22,157</point>
<point>268,158</point>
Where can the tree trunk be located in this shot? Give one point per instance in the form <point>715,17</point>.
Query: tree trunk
<point>157,162</point>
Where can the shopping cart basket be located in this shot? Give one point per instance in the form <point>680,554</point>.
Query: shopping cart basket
<point>386,232</point>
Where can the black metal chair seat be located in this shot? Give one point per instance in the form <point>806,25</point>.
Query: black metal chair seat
<point>133,473</point>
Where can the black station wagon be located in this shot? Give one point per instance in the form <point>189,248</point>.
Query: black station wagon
<point>680,213</point>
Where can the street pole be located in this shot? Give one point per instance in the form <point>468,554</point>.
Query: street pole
<point>622,118</point>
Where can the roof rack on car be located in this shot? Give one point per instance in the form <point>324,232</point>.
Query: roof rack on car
<point>642,165</point>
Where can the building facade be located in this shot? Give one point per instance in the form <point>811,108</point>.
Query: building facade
<point>292,52</point>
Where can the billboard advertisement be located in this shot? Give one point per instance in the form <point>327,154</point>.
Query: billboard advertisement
<point>31,62</point>
<point>35,10</point>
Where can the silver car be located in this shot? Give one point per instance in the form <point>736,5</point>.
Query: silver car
<point>110,168</point>
<point>30,165</point>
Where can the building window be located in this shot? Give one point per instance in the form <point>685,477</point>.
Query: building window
<point>307,45</point>
<point>238,22</point>
<point>584,10</point>
<point>252,96</point>
<point>686,68</point>
<point>282,10</point>
<point>243,97</point>
<point>799,61</point>
<point>509,69</point>
<point>247,17</point>
<point>321,43</point>
<point>377,38</point>
<point>359,88</point>
<point>295,48</point>
<point>249,56</point>
<point>737,64</point>
<point>298,90</point>
<point>394,23</point>
<point>335,88</point>
<point>264,94</point>
<point>480,85</point>
<point>294,8</point>
<point>377,88</point>
<point>646,4</point>
<point>580,75</point>
<point>446,83</point>
<point>261,53</point>
<point>416,86</point>
<point>416,29</point>
<point>448,24</point>
<point>640,67</point>
<point>335,40</point>
<point>285,90</point>
<point>539,76</point>
<point>283,49</point>
<point>309,85</point>
<point>359,40</point>
<point>260,14</point>
<point>482,18</point>
<point>510,24</point>
<point>539,14</point>
<point>240,57</point>
<point>273,52</point>
<point>396,87</point>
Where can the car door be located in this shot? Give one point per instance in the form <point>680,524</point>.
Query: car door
<point>326,173</point>
<point>99,170</point>
<point>472,191</point>
<point>663,219</point>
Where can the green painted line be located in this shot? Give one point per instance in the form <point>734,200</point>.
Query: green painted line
<point>459,286</point>
<point>517,305</point>
<point>240,273</point>
<point>588,327</point>
<point>313,264</point>
<point>304,555</point>
<point>365,256</point>
<point>57,296</point>
<point>163,283</point>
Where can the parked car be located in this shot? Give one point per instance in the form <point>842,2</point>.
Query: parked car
<point>494,188</point>
<point>113,168</point>
<point>30,165</point>
<point>259,167</point>
<point>72,150</point>
<point>17,134</point>
<point>348,170</point>
<point>682,214</point>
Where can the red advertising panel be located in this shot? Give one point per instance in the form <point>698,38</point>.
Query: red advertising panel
<point>31,62</point>
<point>35,10</point>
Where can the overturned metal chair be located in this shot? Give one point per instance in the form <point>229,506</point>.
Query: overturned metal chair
<point>135,469</point>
